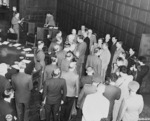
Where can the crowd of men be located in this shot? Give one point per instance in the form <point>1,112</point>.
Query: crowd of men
<point>92,79</point>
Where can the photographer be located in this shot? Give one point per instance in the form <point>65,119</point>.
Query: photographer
<point>140,70</point>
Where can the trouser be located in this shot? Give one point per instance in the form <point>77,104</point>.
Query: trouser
<point>66,108</point>
<point>16,30</point>
<point>103,74</point>
<point>79,115</point>
<point>52,109</point>
<point>22,111</point>
<point>79,69</point>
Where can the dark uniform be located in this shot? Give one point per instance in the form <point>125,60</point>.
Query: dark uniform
<point>6,111</point>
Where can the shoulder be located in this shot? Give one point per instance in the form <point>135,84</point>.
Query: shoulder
<point>62,80</point>
<point>27,75</point>
<point>88,86</point>
<point>140,96</point>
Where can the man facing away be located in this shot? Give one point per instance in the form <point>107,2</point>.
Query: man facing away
<point>22,84</point>
<point>54,94</point>
<point>96,106</point>
<point>72,82</point>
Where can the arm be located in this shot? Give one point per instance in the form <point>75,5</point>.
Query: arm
<point>87,62</point>
<point>13,85</point>
<point>106,110</point>
<point>45,74</point>
<point>122,110</point>
<point>64,88</point>
<point>80,97</point>
<point>142,105</point>
<point>30,84</point>
<point>85,109</point>
<point>94,38</point>
<point>77,86</point>
<point>45,91</point>
<point>118,94</point>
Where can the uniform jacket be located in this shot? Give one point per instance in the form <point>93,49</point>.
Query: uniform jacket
<point>72,82</point>
<point>86,90</point>
<point>55,90</point>
<point>95,62</point>
<point>116,54</point>
<point>22,84</point>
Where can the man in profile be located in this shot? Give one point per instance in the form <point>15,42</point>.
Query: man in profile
<point>15,24</point>
<point>49,21</point>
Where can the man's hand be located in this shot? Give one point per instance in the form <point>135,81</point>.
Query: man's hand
<point>62,102</point>
<point>19,22</point>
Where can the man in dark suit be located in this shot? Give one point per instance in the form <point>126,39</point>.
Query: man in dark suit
<point>22,84</point>
<point>72,82</point>
<point>107,40</point>
<point>7,112</point>
<point>4,83</point>
<point>92,38</point>
<point>131,58</point>
<point>88,79</point>
<point>112,93</point>
<point>112,51</point>
<point>50,68</point>
<point>65,62</point>
<point>82,30</point>
<point>80,53</point>
<point>142,70</point>
<point>95,62</point>
<point>87,41</point>
<point>54,94</point>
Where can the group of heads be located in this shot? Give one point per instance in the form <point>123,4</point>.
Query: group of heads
<point>133,86</point>
<point>57,72</point>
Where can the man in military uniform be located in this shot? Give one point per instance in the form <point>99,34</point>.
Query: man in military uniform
<point>7,112</point>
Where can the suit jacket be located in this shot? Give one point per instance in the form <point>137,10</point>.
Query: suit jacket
<point>72,82</point>
<point>95,62</point>
<point>80,32</point>
<point>87,41</point>
<point>15,23</point>
<point>131,61</point>
<point>48,71</point>
<point>116,54</point>
<point>112,51</point>
<point>4,84</point>
<point>53,89</point>
<point>22,84</point>
<point>105,57</point>
<point>86,90</point>
<point>60,55</point>
<point>92,40</point>
<point>86,80</point>
<point>65,65</point>
<point>112,93</point>
<point>141,73</point>
<point>109,44</point>
<point>81,48</point>
<point>6,109</point>
<point>50,21</point>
